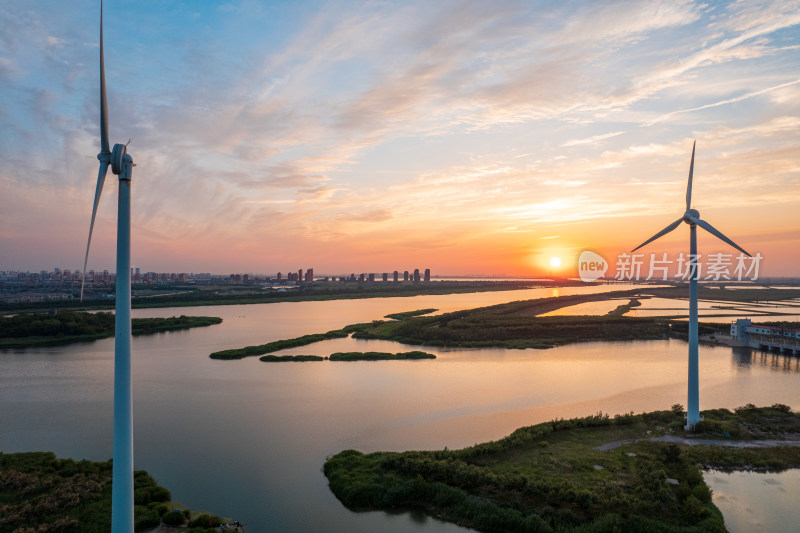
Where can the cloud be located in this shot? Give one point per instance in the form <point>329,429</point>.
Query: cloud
<point>331,125</point>
<point>727,101</point>
<point>595,139</point>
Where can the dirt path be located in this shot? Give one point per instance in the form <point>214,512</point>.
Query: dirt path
<point>708,442</point>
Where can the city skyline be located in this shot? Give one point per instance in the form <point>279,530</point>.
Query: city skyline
<point>475,139</point>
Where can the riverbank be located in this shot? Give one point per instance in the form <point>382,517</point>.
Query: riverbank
<point>39,492</point>
<point>557,476</point>
<point>26,330</point>
<point>193,296</point>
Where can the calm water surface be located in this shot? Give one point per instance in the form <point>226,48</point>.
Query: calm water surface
<point>753,502</point>
<point>247,439</point>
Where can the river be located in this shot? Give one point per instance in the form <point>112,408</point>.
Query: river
<point>247,440</point>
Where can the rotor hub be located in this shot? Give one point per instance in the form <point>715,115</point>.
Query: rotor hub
<point>691,213</point>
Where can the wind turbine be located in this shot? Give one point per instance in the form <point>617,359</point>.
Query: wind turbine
<point>692,217</point>
<point>122,165</point>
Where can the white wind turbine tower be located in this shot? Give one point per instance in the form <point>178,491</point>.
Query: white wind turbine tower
<point>692,217</point>
<point>121,165</point>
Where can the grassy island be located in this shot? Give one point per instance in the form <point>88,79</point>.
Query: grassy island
<point>511,325</point>
<point>632,473</point>
<point>39,492</point>
<point>348,356</point>
<point>409,314</point>
<point>250,351</point>
<point>379,356</point>
<point>41,329</point>
<point>272,358</point>
<point>517,325</point>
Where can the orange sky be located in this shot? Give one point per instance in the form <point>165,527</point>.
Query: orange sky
<point>356,138</point>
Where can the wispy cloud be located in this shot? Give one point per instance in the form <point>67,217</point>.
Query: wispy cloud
<point>595,139</point>
<point>725,102</point>
<point>326,131</point>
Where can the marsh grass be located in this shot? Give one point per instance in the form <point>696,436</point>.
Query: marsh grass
<point>554,477</point>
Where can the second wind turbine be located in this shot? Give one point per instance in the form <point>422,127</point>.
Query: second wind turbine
<point>692,218</point>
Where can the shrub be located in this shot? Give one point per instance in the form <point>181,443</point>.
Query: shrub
<point>141,497</point>
<point>175,518</point>
<point>160,494</point>
<point>702,493</point>
<point>205,520</point>
<point>678,409</point>
<point>694,508</point>
<point>144,518</point>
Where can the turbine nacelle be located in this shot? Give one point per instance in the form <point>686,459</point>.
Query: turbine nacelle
<point>691,216</point>
<point>119,155</point>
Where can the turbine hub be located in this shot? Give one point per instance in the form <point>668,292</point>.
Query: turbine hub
<point>692,213</point>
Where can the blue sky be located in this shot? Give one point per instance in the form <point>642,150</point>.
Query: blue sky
<point>472,137</point>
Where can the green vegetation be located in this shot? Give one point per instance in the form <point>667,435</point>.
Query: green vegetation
<point>409,314</point>
<point>500,326</point>
<point>557,476</point>
<point>249,351</point>
<point>272,358</point>
<point>39,493</point>
<point>511,325</point>
<point>30,329</point>
<point>516,324</point>
<point>624,308</point>
<point>379,356</point>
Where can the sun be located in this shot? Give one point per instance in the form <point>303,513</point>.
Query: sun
<point>555,262</point>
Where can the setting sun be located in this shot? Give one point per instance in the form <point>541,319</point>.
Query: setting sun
<point>555,262</point>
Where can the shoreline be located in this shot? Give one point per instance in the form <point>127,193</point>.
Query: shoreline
<point>578,469</point>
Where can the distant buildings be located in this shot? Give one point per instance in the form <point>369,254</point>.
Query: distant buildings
<point>61,283</point>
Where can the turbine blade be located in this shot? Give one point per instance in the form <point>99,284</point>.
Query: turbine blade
<point>689,186</point>
<point>104,148</point>
<point>660,233</point>
<point>101,178</point>
<point>718,234</point>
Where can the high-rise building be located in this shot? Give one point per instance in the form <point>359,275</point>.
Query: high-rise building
<point>310,275</point>
<point>371,278</point>
<point>395,276</point>
<point>427,275</point>
<point>279,277</point>
<point>405,275</point>
<point>300,275</point>
<point>416,275</point>
<point>385,276</point>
